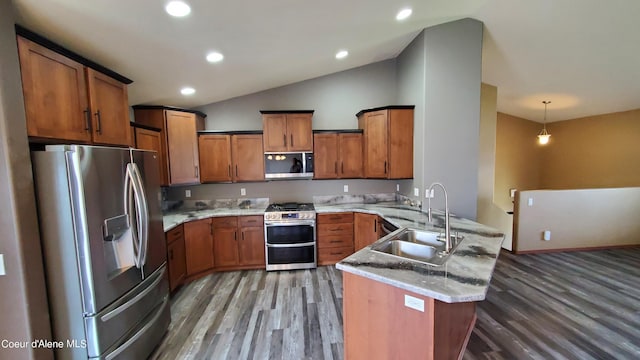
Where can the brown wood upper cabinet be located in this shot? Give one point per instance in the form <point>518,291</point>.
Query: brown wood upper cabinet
<point>64,100</point>
<point>226,158</point>
<point>178,141</point>
<point>388,142</point>
<point>148,139</point>
<point>287,131</point>
<point>337,155</point>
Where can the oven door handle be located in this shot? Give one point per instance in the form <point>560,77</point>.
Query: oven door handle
<point>291,245</point>
<point>296,223</point>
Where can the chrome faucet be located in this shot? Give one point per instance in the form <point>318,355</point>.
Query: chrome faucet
<point>447,228</point>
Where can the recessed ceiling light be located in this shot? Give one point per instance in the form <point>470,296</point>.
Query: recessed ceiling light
<point>187,91</point>
<point>214,57</point>
<point>403,14</point>
<point>342,54</point>
<point>177,8</point>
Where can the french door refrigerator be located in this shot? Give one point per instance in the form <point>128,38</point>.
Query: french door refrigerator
<point>104,250</point>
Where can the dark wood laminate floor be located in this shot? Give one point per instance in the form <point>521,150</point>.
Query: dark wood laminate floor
<point>580,305</point>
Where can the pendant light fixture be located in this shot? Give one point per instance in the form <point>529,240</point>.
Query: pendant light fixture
<point>543,136</point>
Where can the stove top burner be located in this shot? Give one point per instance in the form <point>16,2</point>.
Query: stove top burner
<point>291,206</point>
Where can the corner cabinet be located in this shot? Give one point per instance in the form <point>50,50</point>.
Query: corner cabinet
<point>231,157</point>
<point>287,131</point>
<point>388,142</point>
<point>178,141</point>
<point>70,102</point>
<point>337,155</point>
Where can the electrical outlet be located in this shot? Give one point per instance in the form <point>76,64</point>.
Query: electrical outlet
<point>416,192</point>
<point>397,187</point>
<point>187,193</point>
<point>546,235</point>
<point>2,270</point>
<point>512,193</point>
<point>530,202</point>
<point>428,194</point>
<point>414,303</point>
<point>243,191</point>
<point>346,188</point>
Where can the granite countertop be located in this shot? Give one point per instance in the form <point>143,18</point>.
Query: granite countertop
<point>463,277</point>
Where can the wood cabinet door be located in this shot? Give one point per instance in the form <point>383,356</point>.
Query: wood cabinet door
<point>109,105</point>
<point>55,94</point>
<point>376,145</point>
<point>401,144</point>
<point>176,262</point>
<point>365,228</point>
<point>351,161</point>
<point>275,132</point>
<point>248,158</point>
<point>182,142</point>
<point>299,132</point>
<point>252,246</point>
<point>214,152</point>
<point>151,140</point>
<point>325,156</point>
<point>225,241</point>
<point>198,238</point>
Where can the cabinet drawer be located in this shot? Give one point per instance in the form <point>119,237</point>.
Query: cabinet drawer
<point>335,218</point>
<point>333,255</point>
<point>335,229</point>
<point>225,222</point>
<point>175,234</point>
<point>251,221</point>
<point>331,241</point>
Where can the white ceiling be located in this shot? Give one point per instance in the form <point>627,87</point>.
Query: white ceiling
<point>582,55</point>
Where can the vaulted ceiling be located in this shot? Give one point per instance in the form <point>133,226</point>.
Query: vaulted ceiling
<point>583,55</point>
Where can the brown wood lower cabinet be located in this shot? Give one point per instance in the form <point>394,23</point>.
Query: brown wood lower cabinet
<point>251,246</point>
<point>176,260</point>
<point>238,242</point>
<point>366,230</point>
<point>198,237</point>
<point>438,330</point>
<point>225,241</point>
<point>334,237</point>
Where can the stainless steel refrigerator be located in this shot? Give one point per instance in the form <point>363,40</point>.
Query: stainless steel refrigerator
<point>104,250</point>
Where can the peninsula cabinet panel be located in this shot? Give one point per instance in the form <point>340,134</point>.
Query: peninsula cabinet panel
<point>198,237</point>
<point>387,143</point>
<point>286,132</point>
<point>365,229</point>
<point>215,158</point>
<point>109,105</point>
<point>248,158</point>
<point>182,142</point>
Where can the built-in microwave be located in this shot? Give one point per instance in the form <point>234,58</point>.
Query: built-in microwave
<point>288,165</point>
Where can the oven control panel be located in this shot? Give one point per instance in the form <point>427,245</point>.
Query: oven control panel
<point>284,216</point>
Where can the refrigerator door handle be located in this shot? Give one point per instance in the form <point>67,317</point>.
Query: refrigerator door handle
<point>129,209</point>
<point>144,215</point>
<point>139,216</point>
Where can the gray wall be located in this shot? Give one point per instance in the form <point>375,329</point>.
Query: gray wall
<point>442,71</point>
<point>336,98</point>
<point>23,305</point>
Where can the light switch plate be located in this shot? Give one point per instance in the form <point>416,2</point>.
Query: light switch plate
<point>397,187</point>
<point>187,193</point>
<point>243,191</point>
<point>530,202</point>
<point>414,303</point>
<point>416,192</point>
<point>2,271</point>
<point>346,188</point>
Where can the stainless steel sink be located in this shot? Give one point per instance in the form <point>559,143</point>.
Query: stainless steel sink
<point>418,245</point>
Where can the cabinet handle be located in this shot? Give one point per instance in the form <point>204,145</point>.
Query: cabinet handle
<point>335,167</point>
<point>243,235</point>
<point>342,167</point>
<point>375,225</point>
<point>385,167</point>
<point>335,253</point>
<point>335,241</point>
<point>197,171</point>
<point>211,228</point>
<point>335,218</point>
<point>87,119</point>
<point>284,136</point>
<point>235,235</point>
<point>291,139</point>
<point>229,171</point>
<point>98,124</point>
<point>171,254</point>
<point>236,170</point>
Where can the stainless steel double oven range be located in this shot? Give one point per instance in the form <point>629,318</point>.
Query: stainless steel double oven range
<point>290,236</point>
